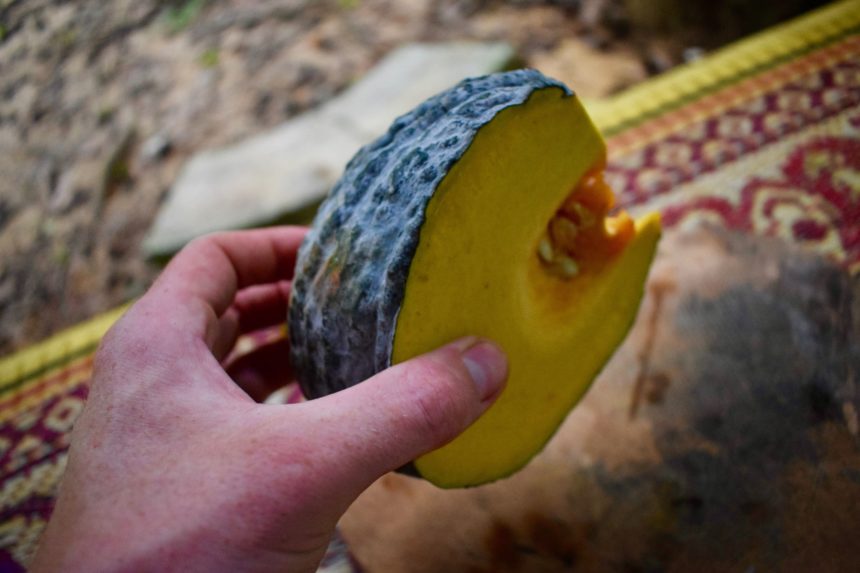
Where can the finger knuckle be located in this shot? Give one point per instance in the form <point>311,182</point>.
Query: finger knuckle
<point>137,343</point>
<point>115,341</point>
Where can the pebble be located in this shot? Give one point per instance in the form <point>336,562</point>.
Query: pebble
<point>156,147</point>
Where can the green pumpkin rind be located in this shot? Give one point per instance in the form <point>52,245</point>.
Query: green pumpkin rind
<point>353,266</point>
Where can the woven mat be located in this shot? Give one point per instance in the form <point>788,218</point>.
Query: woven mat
<point>762,137</point>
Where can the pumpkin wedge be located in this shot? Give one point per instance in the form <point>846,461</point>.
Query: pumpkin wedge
<point>483,211</point>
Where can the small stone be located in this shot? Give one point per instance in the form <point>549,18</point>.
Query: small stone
<point>154,148</point>
<point>660,56</point>
<point>693,54</point>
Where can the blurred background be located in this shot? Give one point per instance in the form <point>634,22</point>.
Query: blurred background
<point>101,104</point>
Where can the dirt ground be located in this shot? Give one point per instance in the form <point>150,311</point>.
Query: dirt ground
<point>102,102</point>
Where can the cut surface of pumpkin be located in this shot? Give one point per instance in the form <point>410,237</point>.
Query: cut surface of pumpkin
<point>478,270</point>
<point>516,242</point>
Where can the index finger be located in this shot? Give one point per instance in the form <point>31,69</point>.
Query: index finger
<point>205,276</point>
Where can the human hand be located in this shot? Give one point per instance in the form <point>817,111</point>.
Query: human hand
<point>174,465</point>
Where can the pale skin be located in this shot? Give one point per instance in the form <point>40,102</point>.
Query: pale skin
<point>175,465</point>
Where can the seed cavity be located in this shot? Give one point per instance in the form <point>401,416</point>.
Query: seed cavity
<point>581,233</point>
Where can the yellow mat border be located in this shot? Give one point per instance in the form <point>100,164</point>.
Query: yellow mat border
<point>725,66</point>
<point>612,115</point>
<point>41,358</point>
<point>674,119</point>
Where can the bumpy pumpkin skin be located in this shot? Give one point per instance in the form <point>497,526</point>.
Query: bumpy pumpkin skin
<point>354,263</point>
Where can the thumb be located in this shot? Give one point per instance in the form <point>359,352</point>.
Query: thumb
<point>417,405</point>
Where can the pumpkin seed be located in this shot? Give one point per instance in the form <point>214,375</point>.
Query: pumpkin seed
<point>545,250</point>
<point>563,232</point>
<point>568,268</point>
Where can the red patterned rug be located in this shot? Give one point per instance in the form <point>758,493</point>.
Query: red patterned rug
<point>762,137</point>
<point>775,154</point>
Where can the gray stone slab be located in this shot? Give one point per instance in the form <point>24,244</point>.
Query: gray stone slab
<point>410,75</point>
<point>271,176</point>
